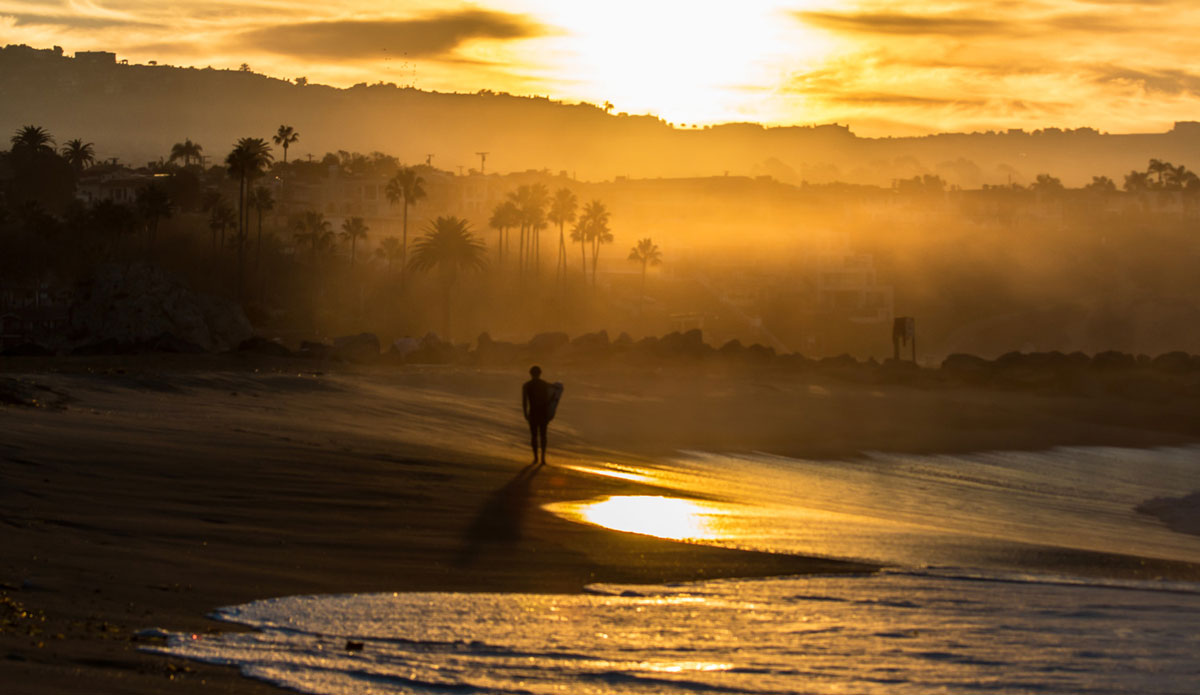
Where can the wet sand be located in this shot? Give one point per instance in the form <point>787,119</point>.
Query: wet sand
<point>144,492</point>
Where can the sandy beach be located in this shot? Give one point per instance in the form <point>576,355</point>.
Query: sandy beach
<point>142,492</point>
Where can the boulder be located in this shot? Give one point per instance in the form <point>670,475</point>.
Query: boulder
<point>591,341</point>
<point>363,347</point>
<point>496,352</point>
<point>434,350</point>
<point>1177,362</point>
<point>760,353</point>
<point>590,347</point>
<point>690,344</point>
<point>315,350</point>
<point>545,344</point>
<point>842,361</point>
<point>732,350</point>
<point>28,350</point>
<point>1112,360</point>
<point>262,346</point>
<point>135,306</point>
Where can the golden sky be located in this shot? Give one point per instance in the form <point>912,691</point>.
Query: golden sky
<point>883,66</point>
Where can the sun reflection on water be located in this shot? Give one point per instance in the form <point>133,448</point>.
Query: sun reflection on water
<point>664,517</point>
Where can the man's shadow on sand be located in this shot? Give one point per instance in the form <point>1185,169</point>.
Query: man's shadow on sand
<point>500,518</point>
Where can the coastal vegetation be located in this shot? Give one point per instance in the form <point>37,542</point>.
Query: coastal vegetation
<point>312,248</point>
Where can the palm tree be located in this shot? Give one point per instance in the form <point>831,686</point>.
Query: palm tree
<point>389,250</point>
<point>593,229</point>
<point>246,162</point>
<point>505,216</point>
<point>646,252</point>
<point>1158,167</point>
<point>534,213</point>
<point>79,154</point>
<point>153,204</point>
<point>187,151</point>
<point>449,246</point>
<point>112,220</point>
<point>32,139</point>
<point>562,211</point>
<point>407,187</point>
<point>1101,184</point>
<point>262,201</point>
<point>353,229</point>
<point>530,202</point>
<point>579,234</point>
<point>312,228</point>
<point>1177,178</point>
<point>1137,181</point>
<point>284,137</point>
<point>1047,184</point>
<point>220,217</point>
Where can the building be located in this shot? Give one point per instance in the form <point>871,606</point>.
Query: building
<point>847,287</point>
<point>96,57</point>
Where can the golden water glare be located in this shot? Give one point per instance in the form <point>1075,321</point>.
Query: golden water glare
<point>663,517</point>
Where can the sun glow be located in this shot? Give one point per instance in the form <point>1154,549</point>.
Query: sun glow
<point>684,62</point>
<point>664,517</point>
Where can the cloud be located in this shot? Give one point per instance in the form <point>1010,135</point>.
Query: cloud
<point>888,99</point>
<point>433,36</point>
<point>955,25</point>
<point>78,22</point>
<point>1023,22</point>
<point>1168,81</point>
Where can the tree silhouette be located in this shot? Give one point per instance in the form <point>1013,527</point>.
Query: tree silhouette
<point>505,216</point>
<point>284,137</point>
<point>1101,184</point>
<point>530,201</point>
<point>187,151</point>
<point>1137,181</point>
<point>1047,184</point>
<point>579,235</point>
<point>353,229</point>
<point>32,139</point>
<point>153,204</point>
<point>1178,178</point>
<point>1157,168</point>
<point>111,220</point>
<point>562,211</point>
<point>449,246</point>
<point>313,229</point>
<point>262,201</point>
<point>246,162</point>
<point>35,174</point>
<point>389,250</point>
<point>405,187</point>
<point>79,154</point>
<point>646,252</point>
<point>592,228</point>
<point>221,216</point>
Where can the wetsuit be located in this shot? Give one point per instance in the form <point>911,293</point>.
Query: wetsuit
<point>535,401</point>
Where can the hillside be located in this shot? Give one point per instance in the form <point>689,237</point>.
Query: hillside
<point>135,112</point>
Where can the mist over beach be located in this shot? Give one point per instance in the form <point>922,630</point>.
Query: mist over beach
<point>532,347</point>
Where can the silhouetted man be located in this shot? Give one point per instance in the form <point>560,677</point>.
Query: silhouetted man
<point>535,401</point>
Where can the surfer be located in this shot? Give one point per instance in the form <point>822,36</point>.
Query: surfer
<point>539,401</point>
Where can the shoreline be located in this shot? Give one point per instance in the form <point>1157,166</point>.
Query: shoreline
<point>150,492</point>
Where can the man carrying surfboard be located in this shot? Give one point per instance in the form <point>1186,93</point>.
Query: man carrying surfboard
<point>539,401</point>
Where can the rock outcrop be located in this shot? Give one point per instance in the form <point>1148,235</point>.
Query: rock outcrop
<point>142,305</point>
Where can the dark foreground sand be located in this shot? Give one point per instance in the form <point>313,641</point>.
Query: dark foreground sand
<point>144,492</point>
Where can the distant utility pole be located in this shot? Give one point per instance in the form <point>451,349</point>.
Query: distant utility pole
<point>460,168</point>
<point>482,161</point>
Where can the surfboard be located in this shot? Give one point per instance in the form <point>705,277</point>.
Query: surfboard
<point>556,390</point>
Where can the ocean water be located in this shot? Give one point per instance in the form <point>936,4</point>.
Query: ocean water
<point>977,597</point>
